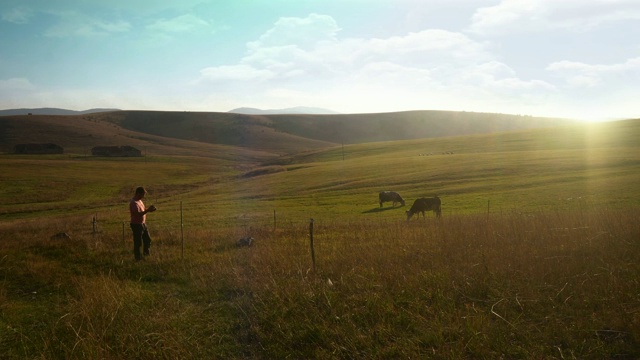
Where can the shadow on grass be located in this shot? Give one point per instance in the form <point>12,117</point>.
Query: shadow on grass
<point>378,209</point>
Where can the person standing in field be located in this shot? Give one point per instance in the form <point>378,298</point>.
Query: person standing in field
<point>138,212</point>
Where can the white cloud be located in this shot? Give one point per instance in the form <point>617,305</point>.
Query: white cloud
<point>577,74</point>
<point>181,24</point>
<point>18,15</point>
<point>15,84</point>
<point>501,79</point>
<point>315,53</point>
<point>301,32</point>
<point>73,24</point>
<point>235,73</point>
<point>598,91</point>
<point>430,48</point>
<point>388,72</point>
<point>427,69</point>
<point>540,15</point>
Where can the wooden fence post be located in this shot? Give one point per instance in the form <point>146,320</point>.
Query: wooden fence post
<point>313,254</point>
<point>181,233</point>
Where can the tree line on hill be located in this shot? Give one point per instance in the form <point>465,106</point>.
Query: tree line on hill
<point>50,148</point>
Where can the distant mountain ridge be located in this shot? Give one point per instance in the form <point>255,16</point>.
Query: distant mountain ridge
<point>51,111</point>
<point>240,110</point>
<point>293,110</point>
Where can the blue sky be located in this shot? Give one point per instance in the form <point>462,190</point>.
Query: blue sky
<point>569,58</point>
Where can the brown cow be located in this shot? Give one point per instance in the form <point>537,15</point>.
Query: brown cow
<point>425,204</point>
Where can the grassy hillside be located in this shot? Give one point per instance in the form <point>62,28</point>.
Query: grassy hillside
<point>250,130</point>
<point>533,169</point>
<point>79,134</point>
<point>273,134</point>
<point>246,131</point>
<point>362,128</point>
<point>536,255</point>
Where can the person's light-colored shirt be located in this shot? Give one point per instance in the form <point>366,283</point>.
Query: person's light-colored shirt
<point>136,208</point>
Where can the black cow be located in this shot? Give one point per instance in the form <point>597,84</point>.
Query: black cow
<point>392,196</point>
<point>425,204</point>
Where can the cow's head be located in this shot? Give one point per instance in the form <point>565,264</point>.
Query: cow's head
<point>409,214</point>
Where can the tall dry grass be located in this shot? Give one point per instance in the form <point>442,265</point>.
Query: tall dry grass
<point>544,285</point>
<point>510,285</point>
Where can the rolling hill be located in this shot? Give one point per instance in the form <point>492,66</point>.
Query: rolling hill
<point>204,133</point>
<point>78,134</point>
<point>250,130</point>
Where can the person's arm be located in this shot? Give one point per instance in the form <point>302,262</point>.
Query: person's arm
<point>136,210</point>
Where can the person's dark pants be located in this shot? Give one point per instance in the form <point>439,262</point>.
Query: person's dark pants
<point>140,238</point>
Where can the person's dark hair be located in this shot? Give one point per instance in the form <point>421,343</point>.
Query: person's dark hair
<point>140,190</point>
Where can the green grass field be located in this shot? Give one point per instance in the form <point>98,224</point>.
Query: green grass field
<point>536,255</point>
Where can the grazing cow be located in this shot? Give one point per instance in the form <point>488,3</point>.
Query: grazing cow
<point>425,204</point>
<point>392,196</point>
